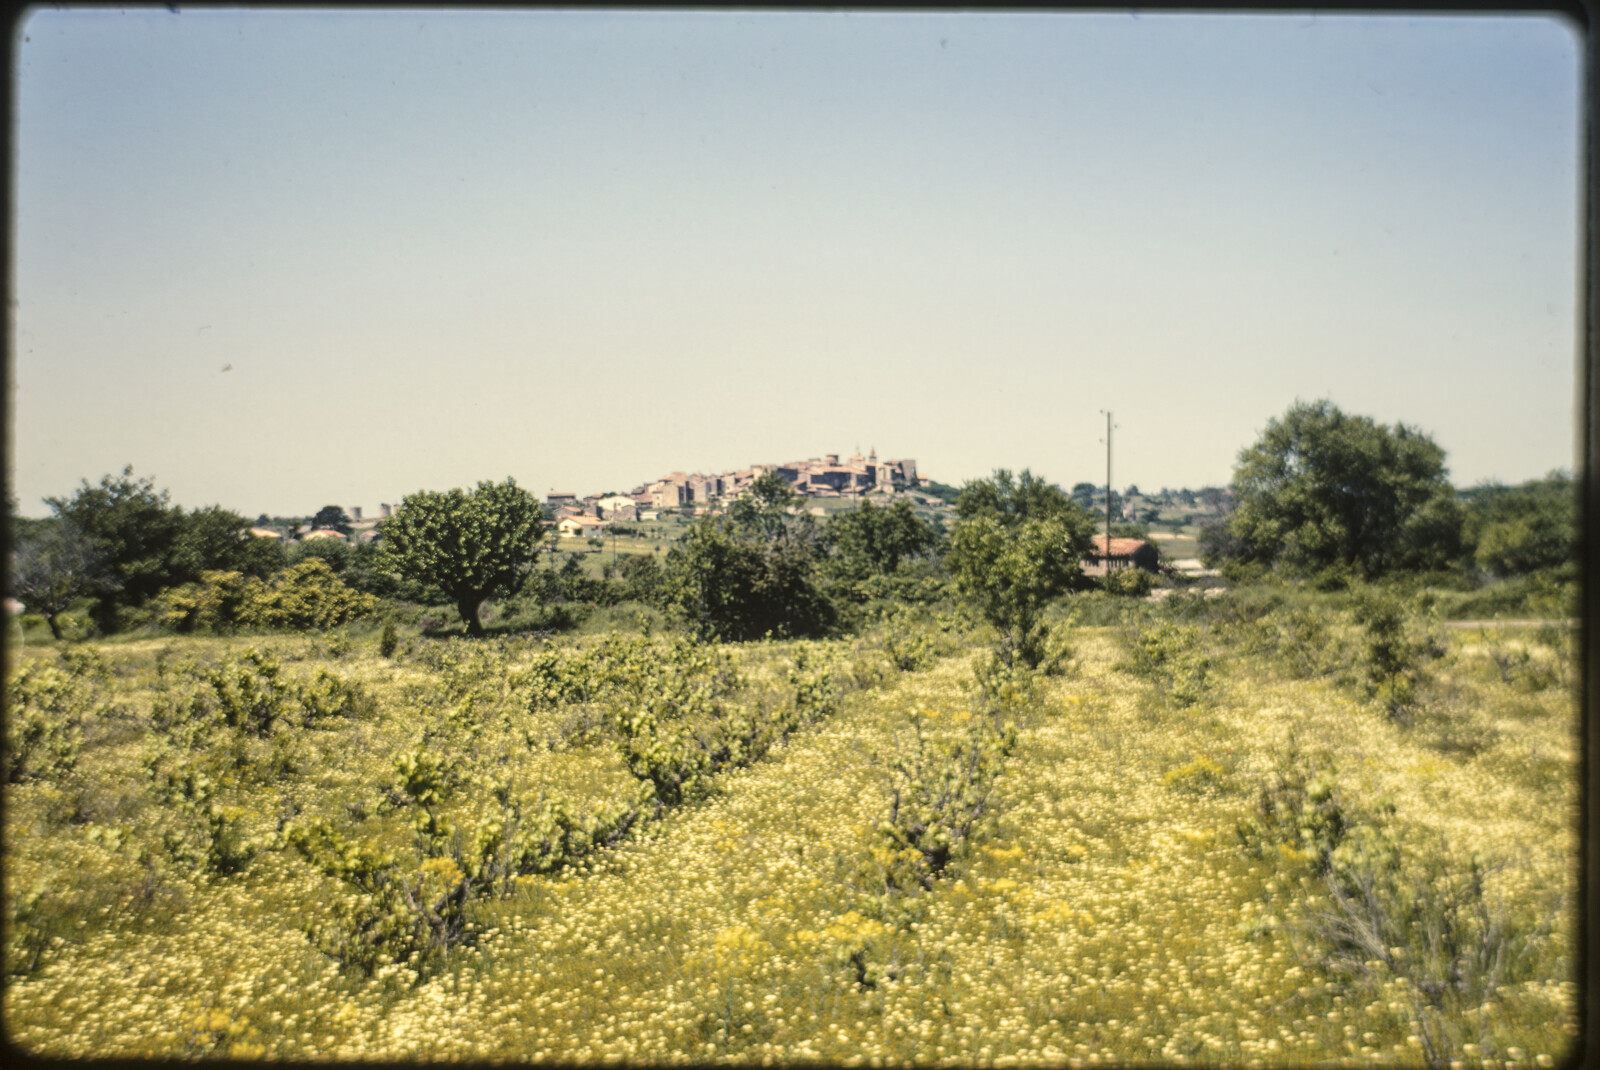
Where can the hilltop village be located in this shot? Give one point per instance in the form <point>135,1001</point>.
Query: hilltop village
<point>824,485</point>
<point>821,478</point>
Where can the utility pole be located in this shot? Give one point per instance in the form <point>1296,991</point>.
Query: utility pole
<point>1108,491</point>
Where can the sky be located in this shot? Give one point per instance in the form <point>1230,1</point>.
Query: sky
<point>278,259</point>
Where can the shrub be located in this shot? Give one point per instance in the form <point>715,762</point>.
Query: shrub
<point>43,917</point>
<point>389,641</point>
<point>46,708</point>
<point>940,791</point>
<point>305,595</point>
<point>1171,657</point>
<point>1130,582</point>
<point>1199,777</point>
<point>1299,816</point>
<point>1421,922</point>
<point>328,698</point>
<point>216,603</point>
<point>308,595</point>
<point>400,916</point>
<point>251,694</point>
<point>207,835</point>
<point>726,583</point>
<point>910,652</point>
<point>423,780</point>
<point>1394,652</point>
<point>1300,640</point>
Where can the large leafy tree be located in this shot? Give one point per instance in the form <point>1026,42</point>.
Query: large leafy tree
<point>762,514</point>
<point>331,518</point>
<point>730,586</point>
<point>1524,529</point>
<point>1324,490</point>
<point>1017,545</point>
<point>215,539</point>
<point>132,531</point>
<point>751,574</point>
<point>123,542</point>
<point>873,540</point>
<point>52,566</point>
<point>471,545</point>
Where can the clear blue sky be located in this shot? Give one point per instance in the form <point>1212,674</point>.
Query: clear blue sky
<point>584,249</point>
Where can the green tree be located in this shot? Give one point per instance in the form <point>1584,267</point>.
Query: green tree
<point>1322,491</point>
<point>1014,498</point>
<point>216,539</point>
<point>640,576</point>
<point>471,545</point>
<point>872,541</point>
<point>731,585</point>
<point>762,513</point>
<point>752,573</point>
<point>363,565</point>
<point>1016,546</point>
<point>133,532</point>
<point>52,566</point>
<point>336,552</point>
<point>572,583</point>
<point>716,581</point>
<point>331,518</point>
<point>1517,531</point>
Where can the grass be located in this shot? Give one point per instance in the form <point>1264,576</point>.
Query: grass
<point>1183,546</point>
<point>1106,912</point>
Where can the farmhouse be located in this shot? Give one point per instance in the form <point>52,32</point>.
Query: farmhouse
<point>1125,553</point>
<point>580,525</point>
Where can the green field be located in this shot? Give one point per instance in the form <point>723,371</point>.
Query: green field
<point>1143,853</point>
<point>1178,547</point>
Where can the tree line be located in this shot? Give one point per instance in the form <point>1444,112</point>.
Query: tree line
<point>1331,497</point>
<point>1321,496</point>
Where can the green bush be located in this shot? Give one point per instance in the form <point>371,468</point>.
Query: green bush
<point>940,791</point>
<point>329,698</point>
<point>1395,650</point>
<point>1129,582</point>
<point>46,708</point>
<point>1199,777</point>
<point>1305,641</point>
<point>1396,919</point>
<point>308,595</point>
<point>399,916</point>
<point>202,832</point>
<point>389,641</point>
<point>910,652</point>
<point>1543,595</point>
<point>217,603</point>
<point>1171,656</point>
<point>303,596</point>
<point>251,694</point>
<point>50,914</point>
<point>1299,817</point>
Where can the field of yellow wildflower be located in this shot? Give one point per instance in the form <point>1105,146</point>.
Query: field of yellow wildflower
<point>1210,836</point>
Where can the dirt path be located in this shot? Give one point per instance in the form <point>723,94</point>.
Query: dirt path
<point>1570,623</point>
